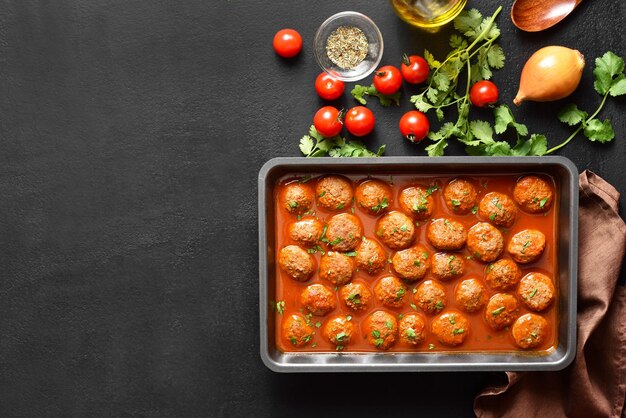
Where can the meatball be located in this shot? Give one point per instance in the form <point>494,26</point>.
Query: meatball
<point>498,208</point>
<point>296,262</point>
<point>297,198</point>
<point>370,256</point>
<point>373,196</point>
<point>411,329</point>
<point>526,246</point>
<point>396,230</point>
<point>446,234</point>
<point>530,331</point>
<point>411,264</point>
<point>460,196</point>
<point>536,291</point>
<point>501,310</point>
<point>318,299</point>
<point>296,330</point>
<point>306,231</point>
<point>470,295</point>
<point>503,275</point>
<point>381,329</point>
<point>344,232</point>
<point>430,296</point>
<point>356,296</point>
<point>334,192</point>
<point>390,291</point>
<point>451,328</point>
<point>485,242</point>
<point>337,268</point>
<point>339,331</point>
<point>447,266</point>
<point>417,202</point>
<point>533,194</point>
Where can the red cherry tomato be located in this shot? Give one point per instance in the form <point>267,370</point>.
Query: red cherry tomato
<point>484,93</point>
<point>414,126</point>
<point>287,43</point>
<point>328,88</point>
<point>360,121</point>
<point>387,79</point>
<point>328,122</point>
<point>414,69</point>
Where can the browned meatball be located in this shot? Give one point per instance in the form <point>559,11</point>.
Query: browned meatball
<point>296,262</point>
<point>485,242</point>
<point>370,256</point>
<point>503,274</point>
<point>381,329</point>
<point>498,208</point>
<point>297,198</point>
<point>373,196</point>
<point>334,192</point>
<point>501,310</point>
<point>390,291</point>
<point>344,232</point>
<point>296,330</point>
<point>527,246</point>
<point>533,194</point>
<point>470,295</point>
<point>460,196</point>
<point>412,263</point>
<point>451,328</point>
<point>339,331</point>
<point>446,234</point>
<point>411,329</point>
<point>536,291</point>
<point>396,230</point>
<point>446,266</point>
<point>530,331</point>
<point>337,268</point>
<point>417,202</point>
<point>306,231</point>
<point>430,296</point>
<point>356,296</point>
<point>318,299</point>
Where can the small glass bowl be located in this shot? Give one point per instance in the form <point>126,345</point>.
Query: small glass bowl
<point>374,48</point>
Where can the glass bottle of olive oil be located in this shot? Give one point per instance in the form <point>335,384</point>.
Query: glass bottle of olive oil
<point>427,14</point>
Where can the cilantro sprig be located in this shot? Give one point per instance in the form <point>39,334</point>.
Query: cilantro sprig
<point>315,145</point>
<point>609,81</point>
<point>386,100</point>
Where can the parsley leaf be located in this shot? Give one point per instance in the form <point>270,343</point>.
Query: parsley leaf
<point>385,99</point>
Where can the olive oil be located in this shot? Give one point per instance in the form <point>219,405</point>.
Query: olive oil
<point>427,14</point>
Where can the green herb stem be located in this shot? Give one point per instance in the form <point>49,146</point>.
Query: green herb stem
<point>487,28</point>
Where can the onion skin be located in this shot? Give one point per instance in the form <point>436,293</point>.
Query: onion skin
<point>551,73</point>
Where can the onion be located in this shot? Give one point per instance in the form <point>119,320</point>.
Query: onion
<point>551,73</point>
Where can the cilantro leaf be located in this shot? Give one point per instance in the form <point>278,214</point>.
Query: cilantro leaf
<point>420,103</point>
<point>599,131</point>
<point>306,145</point>
<point>441,81</point>
<point>314,145</point>
<point>482,130</point>
<point>504,119</point>
<point>468,21</point>
<point>572,115</point>
<point>618,87</point>
<point>430,59</point>
<point>436,149</point>
<point>538,144</point>
<point>607,67</point>
<point>457,42</point>
<point>495,56</point>
<point>385,99</point>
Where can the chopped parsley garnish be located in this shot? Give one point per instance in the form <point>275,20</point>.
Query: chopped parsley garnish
<point>280,306</point>
<point>498,311</point>
<point>355,298</point>
<point>417,263</point>
<point>533,293</point>
<point>340,336</point>
<point>379,342</point>
<point>307,338</point>
<point>293,340</point>
<point>489,268</point>
<point>318,324</point>
<point>419,208</point>
<point>439,305</point>
<point>525,246</point>
<point>413,307</point>
<point>336,241</point>
<point>457,331</point>
<point>451,259</point>
<point>534,335</point>
<point>403,228</point>
<point>447,223</point>
<point>475,210</point>
<point>313,345</point>
<point>304,179</point>
<point>341,206</point>
<point>400,316</point>
<point>293,204</point>
<point>348,317</point>
<point>432,189</point>
<point>425,254</point>
<point>414,290</point>
<point>382,205</point>
<point>543,202</point>
<point>389,324</point>
<point>323,236</point>
<point>455,203</point>
<point>322,194</point>
<point>410,333</point>
<point>492,216</point>
<point>431,346</point>
<point>376,333</point>
<point>351,254</point>
<point>339,348</point>
<point>452,320</point>
<point>379,232</point>
<point>308,317</point>
<point>316,249</point>
<point>400,293</point>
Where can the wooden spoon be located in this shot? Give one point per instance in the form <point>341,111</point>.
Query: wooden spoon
<point>537,15</point>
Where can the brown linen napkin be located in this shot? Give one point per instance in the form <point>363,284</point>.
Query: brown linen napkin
<point>594,385</point>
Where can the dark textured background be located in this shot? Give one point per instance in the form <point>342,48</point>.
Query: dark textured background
<point>131,134</point>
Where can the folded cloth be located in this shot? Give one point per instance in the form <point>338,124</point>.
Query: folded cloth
<point>594,385</point>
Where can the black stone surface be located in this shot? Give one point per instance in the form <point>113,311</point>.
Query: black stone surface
<point>131,134</point>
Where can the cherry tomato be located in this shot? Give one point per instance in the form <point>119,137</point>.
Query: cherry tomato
<point>484,93</point>
<point>414,126</point>
<point>360,121</point>
<point>414,69</point>
<point>287,43</point>
<point>387,79</point>
<point>328,88</point>
<point>328,122</point>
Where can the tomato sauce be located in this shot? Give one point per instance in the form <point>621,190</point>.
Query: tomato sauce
<point>481,338</point>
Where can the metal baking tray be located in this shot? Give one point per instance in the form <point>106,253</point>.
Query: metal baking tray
<point>561,169</point>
